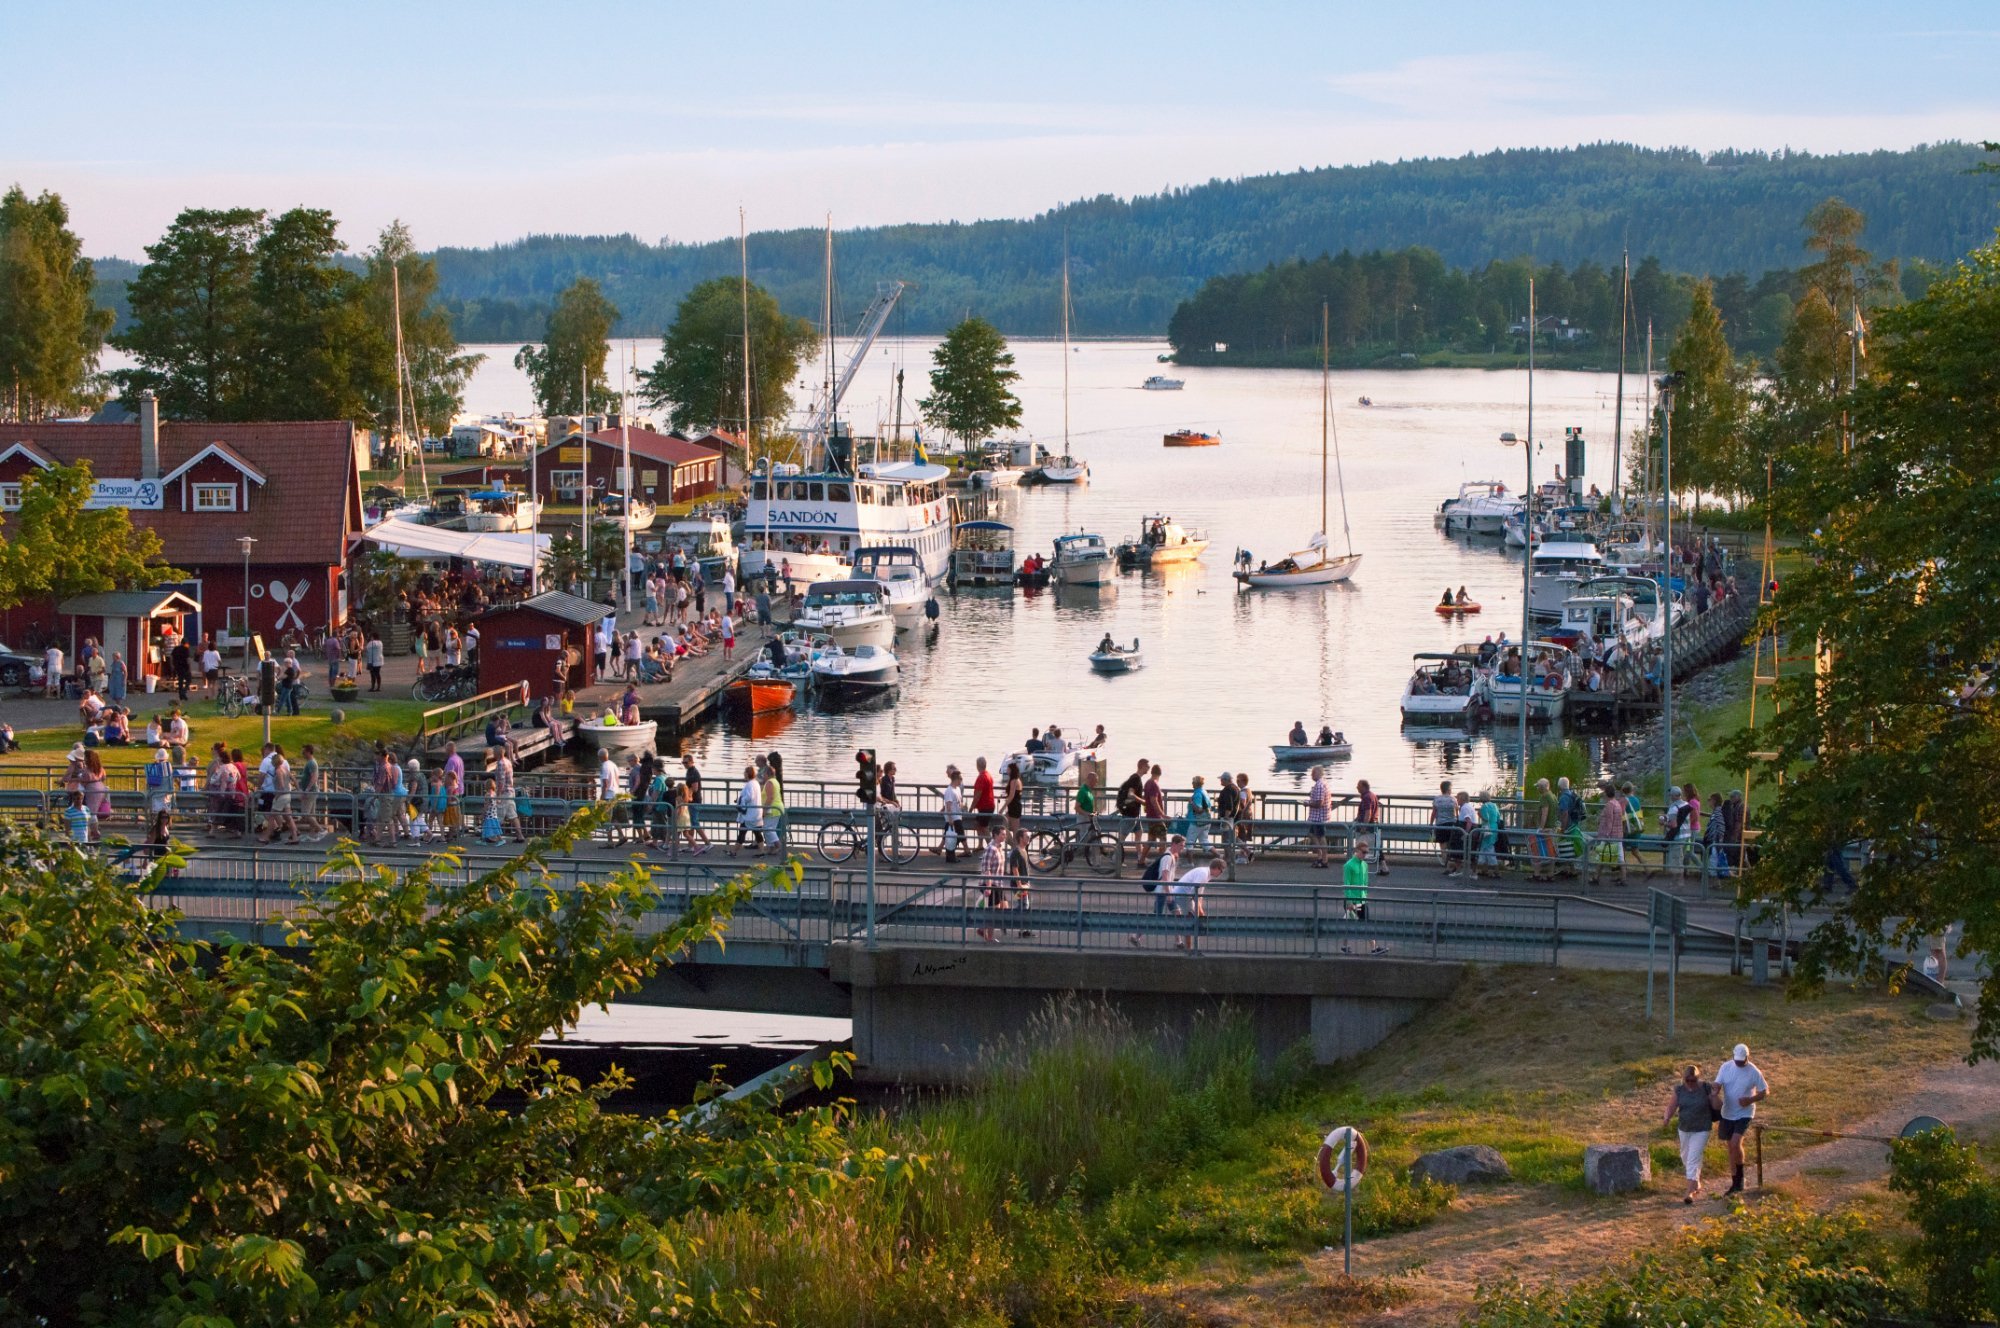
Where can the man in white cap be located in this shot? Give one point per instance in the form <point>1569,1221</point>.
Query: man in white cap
<point>1743,1087</point>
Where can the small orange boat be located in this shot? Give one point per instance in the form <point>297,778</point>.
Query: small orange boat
<point>757,696</point>
<point>1192,438</point>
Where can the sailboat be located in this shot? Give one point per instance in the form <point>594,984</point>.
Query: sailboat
<point>1065,469</point>
<point>1313,565</point>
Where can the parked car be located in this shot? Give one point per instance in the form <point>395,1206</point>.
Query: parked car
<point>18,668</point>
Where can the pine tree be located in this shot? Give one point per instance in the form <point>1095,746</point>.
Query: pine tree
<point>51,329</point>
<point>193,328</point>
<point>1709,403</point>
<point>318,357</point>
<point>438,371</point>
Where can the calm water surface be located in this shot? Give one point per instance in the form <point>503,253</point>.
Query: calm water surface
<point>1226,671</point>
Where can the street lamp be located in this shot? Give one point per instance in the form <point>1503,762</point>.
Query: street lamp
<point>245,542</point>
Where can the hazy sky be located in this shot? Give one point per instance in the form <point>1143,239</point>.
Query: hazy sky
<point>479,122</point>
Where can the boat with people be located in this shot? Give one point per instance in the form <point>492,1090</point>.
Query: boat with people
<point>1330,745</point>
<point>1480,508</point>
<point>1556,569</point>
<point>1604,613</point>
<point>1192,438</point>
<point>1111,657</point>
<point>606,734</point>
<point>506,511</point>
<point>1162,383</point>
<point>1034,573</point>
<point>1081,559</point>
<point>982,554</point>
<point>865,673</point>
<point>898,571</point>
<point>1456,605</point>
<point>1316,564</point>
<point>1443,688</point>
<point>1048,759</point>
<point>1161,542</point>
<point>815,523</point>
<point>704,535</point>
<point>1551,671</point>
<point>850,613</point>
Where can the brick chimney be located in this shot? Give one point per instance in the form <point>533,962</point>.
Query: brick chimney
<point>149,436</point>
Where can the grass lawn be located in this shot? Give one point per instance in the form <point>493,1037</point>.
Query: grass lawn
<point>384,717</point>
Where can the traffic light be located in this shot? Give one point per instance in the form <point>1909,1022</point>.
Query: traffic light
<point>1573,460</point>
<point>267,685</point>
<point>865,776</point>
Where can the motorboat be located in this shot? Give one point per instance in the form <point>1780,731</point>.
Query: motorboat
<point>901,575</point>
<point>850,613</point>
<point>1002,465</point>
<point>705,536</point>
<point>760,691</point>
<point>1161,541</point>
<point>506,511</point>
<point>1481,508</point>
<point>1557,568</point>
<point>982,554</point>
<point>612,508</point>
<point>1081,560</point>
<point>865,673</point>
<point>1162,383</point>
<point>1056,764</point>
<point>1544,690</point>
<point>618,738</point>
<point>1604,613</point>
<point>1316,564</point>
<point>1065,469</point>
<point>1443,688</point>
<point>1110,657</point>
<point>1192,438</point>
<point>1299,753</point>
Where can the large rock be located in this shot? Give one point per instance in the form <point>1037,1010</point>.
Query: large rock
<point>1465,1165</point>
<point>1616,1168</point>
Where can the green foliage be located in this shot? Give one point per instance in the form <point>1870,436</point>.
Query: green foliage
<point>435,389</point>
<point>1904,560</point>
<point>53,547</point>
<point>566,565</point>
<point>699,375</point>
<point>193,1134</point>
<point>1955,1204</point>
<point>51,328</point>
<point>1565,759</point>
<point>972,383</point>
<point>567,368</point>
<point>1773,1266</point>
<point>1709,404</point>
<point>193,310</point>
<point>318,355</point>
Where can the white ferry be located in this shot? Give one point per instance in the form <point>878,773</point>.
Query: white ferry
<point>817,522</point>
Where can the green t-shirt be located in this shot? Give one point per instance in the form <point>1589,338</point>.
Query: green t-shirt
<point>1086,801</point>
<point>1354,875</point>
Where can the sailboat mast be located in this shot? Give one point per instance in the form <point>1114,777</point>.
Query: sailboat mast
<point>1325,414</point>
<point>743,257</point>
<point>832,418</point>
<point>1528,554</point>
<point>1648,469</point>
<point>1618,414</point>
<point>625,485</point>
<point>1065,323</point>
<point>583,438</point>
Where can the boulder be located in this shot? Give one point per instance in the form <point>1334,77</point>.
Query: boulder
<point>1465,1165</point>
<point>1616,1168</point>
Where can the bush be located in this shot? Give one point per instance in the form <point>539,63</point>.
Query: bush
<point>1955,1203</point>
<point>1564,760</point>
<point>1774,1266</point>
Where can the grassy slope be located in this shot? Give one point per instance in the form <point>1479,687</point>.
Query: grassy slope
<point>366,720</point>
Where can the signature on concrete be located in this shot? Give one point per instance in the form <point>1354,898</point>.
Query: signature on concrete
<point>927,969</point>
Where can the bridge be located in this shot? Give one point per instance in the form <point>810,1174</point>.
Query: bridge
<point>928,972</point>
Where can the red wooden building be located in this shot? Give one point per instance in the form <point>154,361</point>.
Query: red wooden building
<point>293,488</point>
<point>666,468</point>
<point>526,642</point>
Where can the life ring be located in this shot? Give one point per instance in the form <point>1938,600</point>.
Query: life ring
<point>1333,1160</point>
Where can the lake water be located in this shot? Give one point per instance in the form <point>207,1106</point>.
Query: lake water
<point>1227,672</point>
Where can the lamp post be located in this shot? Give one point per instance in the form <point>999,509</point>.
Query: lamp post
<point>245,543</point>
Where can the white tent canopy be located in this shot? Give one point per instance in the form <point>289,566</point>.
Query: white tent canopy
<point>411,540</point>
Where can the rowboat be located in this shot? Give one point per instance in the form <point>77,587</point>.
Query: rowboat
<point>618,738</point>
<point>757,695</point>
<point>1338,751</point>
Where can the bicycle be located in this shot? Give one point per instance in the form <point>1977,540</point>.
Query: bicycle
<point>446,683</point>
<point>1102,850</point>
<point>234,694</point>
<point>840,840</point>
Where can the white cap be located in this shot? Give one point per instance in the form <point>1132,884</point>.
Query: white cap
<point>1742,1052</point>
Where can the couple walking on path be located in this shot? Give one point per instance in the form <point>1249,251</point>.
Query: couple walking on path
<point>1729,1100</point>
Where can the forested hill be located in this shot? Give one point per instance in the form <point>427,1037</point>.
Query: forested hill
<point>1133,261</point>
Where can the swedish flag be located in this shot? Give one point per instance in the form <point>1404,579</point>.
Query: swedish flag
<point>923,457</point>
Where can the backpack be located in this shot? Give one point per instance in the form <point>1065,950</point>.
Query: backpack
<point>156,775</point>
<point>1228,801</point>
<point>1150,878</point>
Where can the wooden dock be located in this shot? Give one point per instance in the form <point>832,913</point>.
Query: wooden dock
<point>696,692</point>
<point>1699,642</point>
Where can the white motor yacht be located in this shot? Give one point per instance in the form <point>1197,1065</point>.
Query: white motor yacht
<point>1081,560</point>
<point>1161,541</point>
<point>850,613</point>
<point>1551,671</point>
<point>1481,508</point>
<point>1443,688</point>
<point>507,511</point>
<point>1559,567</point>
<point>865,673</point>
<point>1604,613</point>
<point>1162,383</point>
<point>900,573</point>
<point>611,507</point>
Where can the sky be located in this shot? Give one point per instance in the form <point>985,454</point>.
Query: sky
<point>478,123</point>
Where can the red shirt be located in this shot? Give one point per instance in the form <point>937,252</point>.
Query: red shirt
<point>1156,801</point>
<point>982,793</point>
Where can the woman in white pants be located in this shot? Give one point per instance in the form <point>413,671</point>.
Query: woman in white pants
<point>1692,1111</point>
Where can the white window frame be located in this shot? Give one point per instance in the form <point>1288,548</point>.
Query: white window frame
<point>570,492</point>
<point>10,497</point>
<point>198,491</point>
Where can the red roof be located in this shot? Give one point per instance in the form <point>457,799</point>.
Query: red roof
<point>305,511</point>
<point>675,451</point>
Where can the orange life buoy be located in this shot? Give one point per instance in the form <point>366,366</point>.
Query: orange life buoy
<point>1333,1162</point>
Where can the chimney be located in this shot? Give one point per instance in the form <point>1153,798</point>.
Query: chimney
<point>149,436</point>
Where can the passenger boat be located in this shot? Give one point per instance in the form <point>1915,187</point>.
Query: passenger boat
<point>1443,688</point>
<point>618,738</point>
<point>1551,671</point>
<point>1336,751</point>
<point>1192,438</point>
<point>1313,565</point>
<point>1081,560</point>
<point>851,613</point>
<point>1557,568</point>
<point>865,673</point>
<point>901,576</point>
<point>817,522</point>
<point>1481,508</point>
<point>507,511</point>
<point>759,692</point>
<point>1160,543</point>
<point>1161,383</point>
<point>982,554</point>
<point>1110,657</point>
